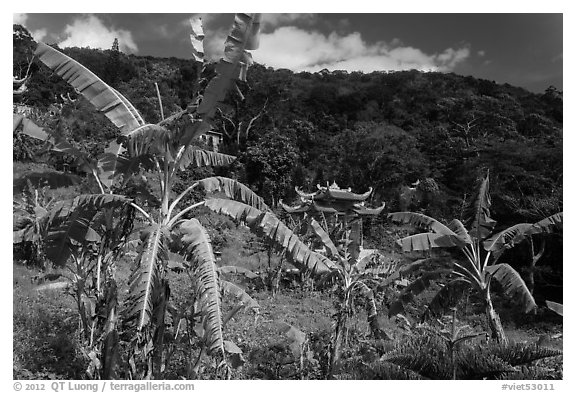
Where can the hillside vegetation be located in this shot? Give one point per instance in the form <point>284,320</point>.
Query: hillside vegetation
<point>381,130</point>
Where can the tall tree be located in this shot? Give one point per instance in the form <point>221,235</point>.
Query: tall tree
<point>112,70</point>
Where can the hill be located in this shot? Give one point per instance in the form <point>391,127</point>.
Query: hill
<point>383,130</point>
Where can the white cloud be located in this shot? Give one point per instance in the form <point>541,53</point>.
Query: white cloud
<point>448,59</point>
<point>19,19</point>
<point>481,53</point>
<point>90,31</point>
<point>214,33</point>
<point>39,34</point>
<point>299,50</point>
<point>270,21</point>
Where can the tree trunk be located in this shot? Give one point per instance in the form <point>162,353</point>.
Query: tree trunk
<point>453,359</point>
<point>494,322</point>
<point>530,279</point>
<point>158,336</point>
<point>337,343</point>
<point>194,368</point>
<point>340,332</point>
<point>534,258</point>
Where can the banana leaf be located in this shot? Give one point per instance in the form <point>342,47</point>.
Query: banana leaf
<point>104,98</point>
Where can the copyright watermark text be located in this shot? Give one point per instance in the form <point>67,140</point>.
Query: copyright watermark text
<point>103,386</point>
<point>527,386</point>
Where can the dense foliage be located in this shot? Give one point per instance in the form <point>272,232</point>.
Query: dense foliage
<point>444,126</point>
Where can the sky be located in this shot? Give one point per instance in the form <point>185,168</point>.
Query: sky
<point>521,49</point>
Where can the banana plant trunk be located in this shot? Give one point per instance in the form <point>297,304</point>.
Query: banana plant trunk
<point>337,343</point>
<point>530,278</point>
<point>534,258</point>
<point>158,337</point>
<point>340,332</point>
<point>494,321</point>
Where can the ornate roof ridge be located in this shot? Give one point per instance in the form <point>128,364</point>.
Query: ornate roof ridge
<point>333,192</point>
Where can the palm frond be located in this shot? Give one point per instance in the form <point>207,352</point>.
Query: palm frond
<point>424,355</point>
<point>477,213</point>
<point>148,139</point>
<point>82,160</point>
<point>145,278</point>
<point>323,235</point>
<point>508,238</point>
<point>103,97</point>
<point>197,39</point>
<point>112,165</point>
<point>367,292</point>
<point>459,229</point>
<point>109,162</point>
<point>29,127</point>
<point>268,225</point>
<point>475,362</point>
<point>429,241</point>
<point>409,293</point>
<point>241,296</point>
<point>201,158</point>
<point>551,224</point>
<point>205,273</point>
<point>243,37</point>
<point>518,354</point>
<point>233,190</point>
<point>447,297</point>
<point>421,221</point>
<point>71,224</point>
<point>407,269</point>
<point>556,307</point>
<point>512,284</point>
<point>514,235</point>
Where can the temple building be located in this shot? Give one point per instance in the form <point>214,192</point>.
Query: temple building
<point>332,205</point>
<point>333,200</point>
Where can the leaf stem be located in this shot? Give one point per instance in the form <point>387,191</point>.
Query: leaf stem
<point>135,206</point>
<point>159,175</point>
<point>180,214</point>
<point>159,100</point>
<point>177,159</point>
<point>179,198</point>
<point>98,182</point>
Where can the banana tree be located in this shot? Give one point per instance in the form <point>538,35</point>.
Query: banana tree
<point>341,261</point>
<point>510,237</point>
<point>356,273</point>
<point>31,222</point>
<point>188,320</point>
<point>87,235</point>
<point>162,149</point>
<point>476,270</point>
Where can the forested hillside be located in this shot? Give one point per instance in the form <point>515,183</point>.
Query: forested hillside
<point>382,130</point>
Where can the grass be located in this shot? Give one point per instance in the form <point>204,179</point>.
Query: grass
<point>45,326</point>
